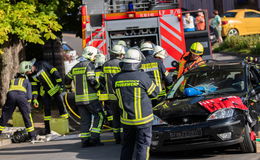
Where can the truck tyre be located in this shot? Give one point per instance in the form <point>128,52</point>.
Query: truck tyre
<point>247,146</point>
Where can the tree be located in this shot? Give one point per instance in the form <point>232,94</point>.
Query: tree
<point>26,22</point>
<point>21,22</point>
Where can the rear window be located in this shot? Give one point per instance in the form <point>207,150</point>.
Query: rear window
<point>230,14</point>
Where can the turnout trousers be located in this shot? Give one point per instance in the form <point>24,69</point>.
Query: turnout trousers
<point>86,113</point>
<point>138,139</point>
<point>17,98</point>
<point>47,103</point>
<point>114,109</point>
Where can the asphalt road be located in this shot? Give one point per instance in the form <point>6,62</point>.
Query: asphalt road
<point>69,149</point>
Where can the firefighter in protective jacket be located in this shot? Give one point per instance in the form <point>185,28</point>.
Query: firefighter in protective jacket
<point>86,98</point>
<point>155,68</point>
<point>134,90</point>
<point>110,68</point>
<point>192,58</point>
<point>47,80</point>
<point>19,94</point>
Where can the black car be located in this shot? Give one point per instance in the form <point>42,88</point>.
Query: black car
<point>210,106</point>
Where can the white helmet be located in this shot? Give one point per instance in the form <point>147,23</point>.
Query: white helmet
<point>133,55</point>
<point>118,49</point>
<point>159,52</point>
<point>100,60</point>
<point>90,53</point>
<point>121,42</point>
<point>147,46</point>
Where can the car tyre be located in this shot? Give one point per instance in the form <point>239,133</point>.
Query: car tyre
<point>233,32</point>
<point>247,146</point>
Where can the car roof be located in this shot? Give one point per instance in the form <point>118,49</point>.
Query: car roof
<point>241,10</point>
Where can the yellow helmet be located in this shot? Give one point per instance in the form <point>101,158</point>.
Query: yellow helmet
<point>197,48</point>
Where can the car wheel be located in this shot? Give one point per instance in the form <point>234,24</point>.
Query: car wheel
<point>233,32</point>
<point>247,146</point>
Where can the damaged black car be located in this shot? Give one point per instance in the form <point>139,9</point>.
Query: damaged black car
<point>211,106</point>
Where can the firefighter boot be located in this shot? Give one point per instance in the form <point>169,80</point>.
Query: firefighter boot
<point>117,138</point>
<point>85,143</point>
<point>47,127</point>
<point>96,142</point>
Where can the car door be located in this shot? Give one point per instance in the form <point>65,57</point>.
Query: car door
<point>254,81</point>
<point>252,21</point>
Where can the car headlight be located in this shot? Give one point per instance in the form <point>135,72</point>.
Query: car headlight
<point>158,121</point>
<point>221,114</point>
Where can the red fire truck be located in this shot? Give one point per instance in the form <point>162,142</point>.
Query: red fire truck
<point>162,27</point>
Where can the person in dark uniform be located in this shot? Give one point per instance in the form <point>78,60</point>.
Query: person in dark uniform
<point>134,89</point>
<point>110,68</point>
<point>155,68</point>
<point>19,94</point>
<point>86,98</point>
<point>46,78</point>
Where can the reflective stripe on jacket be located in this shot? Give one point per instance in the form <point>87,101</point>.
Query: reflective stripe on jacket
<point>156,71</point>
<point>183,64</point>
<point>83,76</point>
<point>22,84</point>
<point>134,90</point>
<point>46,76</point>
<point>110,68</point>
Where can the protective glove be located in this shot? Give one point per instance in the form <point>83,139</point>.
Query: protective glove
<point>35,103</point>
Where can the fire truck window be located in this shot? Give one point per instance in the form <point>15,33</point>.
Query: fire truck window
<point>194,21</point>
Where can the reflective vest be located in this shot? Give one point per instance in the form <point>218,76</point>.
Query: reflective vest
<point>134,90</point>
<point>48,77</point>
<point>110,68</point>
<point>100,78</point>
<point>156,71</point>
<point>183,63</point>
<point>83,76</point>
<point>21,84</point>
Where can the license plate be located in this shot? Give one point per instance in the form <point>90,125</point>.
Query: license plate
<point>186,134</point>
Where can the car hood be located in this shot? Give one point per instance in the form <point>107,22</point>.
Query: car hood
<point>172,109</point>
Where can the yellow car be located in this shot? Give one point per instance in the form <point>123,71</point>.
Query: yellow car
<point>241,22</point>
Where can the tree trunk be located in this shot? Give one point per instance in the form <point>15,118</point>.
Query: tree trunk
<point>9,64</point>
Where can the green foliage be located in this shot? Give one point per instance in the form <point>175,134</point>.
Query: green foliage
<point>27,22</point>
<point>240,44</point>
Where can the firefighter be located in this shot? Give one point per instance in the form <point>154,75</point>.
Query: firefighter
<point>19,94</point>
<point>47,80</point>
<point>155,69</point>
<point>192,58</point>
<point>122,42</point>
<point>86,98</point>
<point>160,52</point>
<point>134,90</point>
<point>110,68</point>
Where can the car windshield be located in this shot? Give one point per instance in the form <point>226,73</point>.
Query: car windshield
<point>208,82</point>
<point>230,14</point>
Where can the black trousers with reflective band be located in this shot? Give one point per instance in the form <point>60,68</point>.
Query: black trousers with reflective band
<point>17,98</point>
<point>136,137</point>
<point>47,103</point>
<point>115,111</point>
<point>86,113</point>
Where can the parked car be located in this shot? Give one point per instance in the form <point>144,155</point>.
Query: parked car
<point>241,22</point>
<point>209,106</point>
